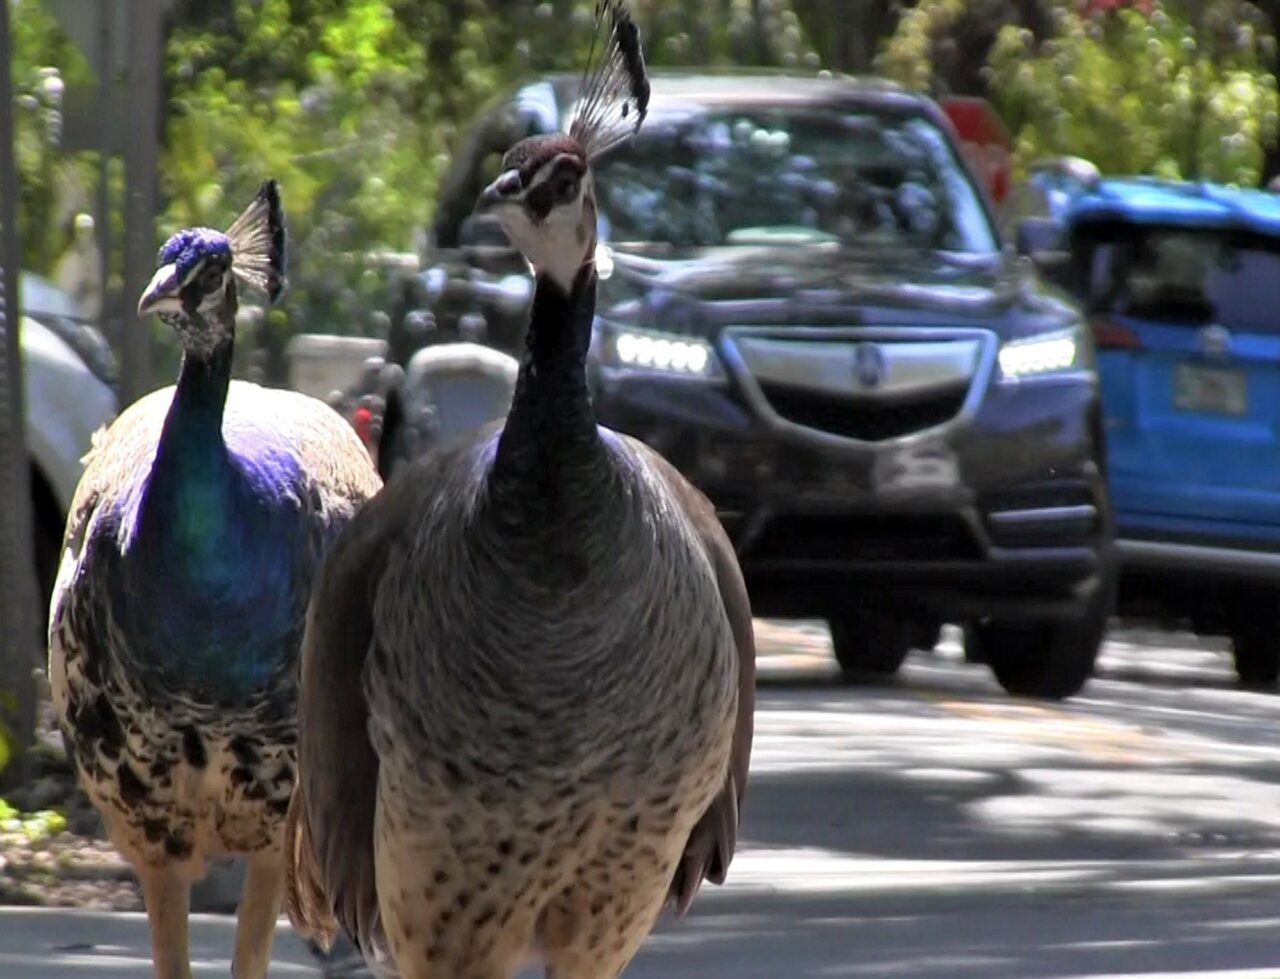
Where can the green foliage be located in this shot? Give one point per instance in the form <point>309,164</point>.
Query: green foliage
<point>8,743</point>
<point>327,103</point>
<point>354,106</point>
<point>45,178</point>
<point>1134,93</point>
<point>30,827</point>
<point>1137,94</point>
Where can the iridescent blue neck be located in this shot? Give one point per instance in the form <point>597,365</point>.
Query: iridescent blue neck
<point>188,500</point>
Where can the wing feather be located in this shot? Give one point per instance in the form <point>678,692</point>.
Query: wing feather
<point>712,843</point>
<point>331,880</point>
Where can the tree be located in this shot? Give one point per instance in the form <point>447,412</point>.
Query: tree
<point>355,105</point>
<point>1132,87</point>
<point>45,174</point>
<point>942,46</point>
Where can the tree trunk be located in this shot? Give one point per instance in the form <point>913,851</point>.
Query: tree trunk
<point>1271,149</point>
<point>847,33</point>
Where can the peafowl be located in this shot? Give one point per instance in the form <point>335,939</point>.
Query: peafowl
<point>525,705</point>
<point>177,616</point>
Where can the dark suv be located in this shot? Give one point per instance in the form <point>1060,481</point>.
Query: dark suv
<point>806,307</point>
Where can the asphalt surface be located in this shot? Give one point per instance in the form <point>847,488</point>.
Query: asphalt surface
<point>934,827</point>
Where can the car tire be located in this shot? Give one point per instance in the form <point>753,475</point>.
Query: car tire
<point>46,548</point>
<point>870,644</point>
<point>1255,640</point>
<point>1049,659</point>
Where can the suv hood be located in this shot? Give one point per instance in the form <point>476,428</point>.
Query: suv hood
<point>822,284</point>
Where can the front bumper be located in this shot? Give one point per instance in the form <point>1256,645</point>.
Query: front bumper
<point>999,509</point>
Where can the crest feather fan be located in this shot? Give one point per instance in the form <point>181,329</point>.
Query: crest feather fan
<point>614,98</point>
<point>257,239</point>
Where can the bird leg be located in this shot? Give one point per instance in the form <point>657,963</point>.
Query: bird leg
<point>260,905</point>
<point>167,895</point>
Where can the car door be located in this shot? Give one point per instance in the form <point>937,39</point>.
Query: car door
<point>1187,321</point>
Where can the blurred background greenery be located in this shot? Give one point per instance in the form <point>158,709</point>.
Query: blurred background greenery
<point>354,105</point>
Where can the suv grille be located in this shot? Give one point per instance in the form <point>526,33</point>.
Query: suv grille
<point>873,537</point>
<point>869,421</point>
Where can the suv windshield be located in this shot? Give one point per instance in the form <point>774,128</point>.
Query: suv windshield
<point>1181,275</point>
<point>787,174</point>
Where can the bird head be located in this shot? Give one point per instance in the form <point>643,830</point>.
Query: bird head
<point>544,198</point>
<point>194,289</point>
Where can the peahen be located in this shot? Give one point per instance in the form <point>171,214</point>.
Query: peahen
<point>176,621</point>
<point>525,706</point>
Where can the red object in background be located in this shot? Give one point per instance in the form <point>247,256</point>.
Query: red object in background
<point>1088,8</point>
<point>984,140</point>
<point>1110,335</point>
<point>362,421</point>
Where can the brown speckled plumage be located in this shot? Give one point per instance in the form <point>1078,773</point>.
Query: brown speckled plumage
<point>526,697</point>
<point>195,533</point>
<point>543,743</point>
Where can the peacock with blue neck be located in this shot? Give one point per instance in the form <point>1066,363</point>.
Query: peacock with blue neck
<point>201,519</point>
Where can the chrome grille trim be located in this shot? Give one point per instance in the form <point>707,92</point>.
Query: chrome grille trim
<point>983,367</point>
<point>1053,514</point>
<point>912,369</point>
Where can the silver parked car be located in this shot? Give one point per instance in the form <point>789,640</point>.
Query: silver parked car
<point>70,378</point>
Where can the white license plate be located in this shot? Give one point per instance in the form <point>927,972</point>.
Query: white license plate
<point>1217,390</point>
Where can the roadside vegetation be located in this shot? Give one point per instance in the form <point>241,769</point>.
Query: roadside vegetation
<point>355,105</point>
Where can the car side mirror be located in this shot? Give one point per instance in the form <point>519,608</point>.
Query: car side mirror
<point>1039,234</point>
<point>482,231</point>
<point>1043,241</point>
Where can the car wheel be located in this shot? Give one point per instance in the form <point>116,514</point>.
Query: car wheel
<point>1051,659</point>
<point>1255,640</point>
<point>866,643</point>
<point>46,547</point>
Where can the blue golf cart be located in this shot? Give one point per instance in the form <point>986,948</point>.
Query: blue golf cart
<point>1181,282</point>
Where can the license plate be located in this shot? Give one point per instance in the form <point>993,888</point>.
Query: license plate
<point>1217,390</point>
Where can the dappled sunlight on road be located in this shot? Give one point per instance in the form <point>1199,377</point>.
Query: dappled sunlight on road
<point>1124,801</point>
<point>931,827</point>
<point>1183,765</point>
<point>65,944</point>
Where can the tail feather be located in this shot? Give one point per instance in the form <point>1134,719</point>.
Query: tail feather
<point>709,851</point>
<point>304,900</point>
<point>307,903</point>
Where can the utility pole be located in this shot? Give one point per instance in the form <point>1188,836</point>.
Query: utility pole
<point>141,166</point>
<point>120,116</point>
<point>111,324</point>
<point>18,629</point>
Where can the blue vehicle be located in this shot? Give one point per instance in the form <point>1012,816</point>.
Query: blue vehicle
<point>1181,285</point>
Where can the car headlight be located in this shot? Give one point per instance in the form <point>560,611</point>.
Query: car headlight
<point>664,353</point>
<point>1044,354</point>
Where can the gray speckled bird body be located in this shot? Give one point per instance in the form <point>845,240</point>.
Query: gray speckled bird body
<point>544,635</point>
<point>551,723</point>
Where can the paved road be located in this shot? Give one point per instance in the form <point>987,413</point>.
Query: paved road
<point>932,828</point>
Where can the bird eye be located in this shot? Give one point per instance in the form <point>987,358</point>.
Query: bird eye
<point>566,187</point>
<point>210,278</point>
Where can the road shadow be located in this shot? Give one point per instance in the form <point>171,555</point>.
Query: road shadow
<point>959,936</point>
<point>899,816</point>
<point>1146,656</point>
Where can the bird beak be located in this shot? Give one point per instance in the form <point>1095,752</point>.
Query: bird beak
<point>505,190</point>
<point>161,294</point>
